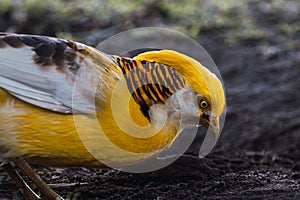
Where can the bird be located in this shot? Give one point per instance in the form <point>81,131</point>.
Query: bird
<point>56,93</point>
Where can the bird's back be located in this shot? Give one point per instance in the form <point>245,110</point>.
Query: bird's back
<point>56,93</point>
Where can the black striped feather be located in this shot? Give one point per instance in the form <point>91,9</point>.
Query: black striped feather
<point>150,82</point>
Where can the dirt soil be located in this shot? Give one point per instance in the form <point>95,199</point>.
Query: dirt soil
<point>258,155</point>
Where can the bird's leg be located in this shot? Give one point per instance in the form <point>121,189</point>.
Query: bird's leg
<point>36,179</point>
<point>21,184</point>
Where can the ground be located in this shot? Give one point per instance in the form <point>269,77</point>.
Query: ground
<point>258,155</point>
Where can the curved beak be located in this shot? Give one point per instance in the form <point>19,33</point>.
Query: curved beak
<point>215,127</point>
<point>211,123</point>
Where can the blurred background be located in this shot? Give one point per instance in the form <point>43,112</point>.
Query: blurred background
<point>256,46</point>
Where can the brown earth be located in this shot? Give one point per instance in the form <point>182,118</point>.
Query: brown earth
<point>258,155</point>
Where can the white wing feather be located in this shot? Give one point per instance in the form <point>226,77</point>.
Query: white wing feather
<point>48,85</point>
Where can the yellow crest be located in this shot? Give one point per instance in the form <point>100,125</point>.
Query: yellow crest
<point>200,78</point>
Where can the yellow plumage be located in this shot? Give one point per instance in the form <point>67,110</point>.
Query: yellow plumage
<point>66,104</point>
<point>49,138</point>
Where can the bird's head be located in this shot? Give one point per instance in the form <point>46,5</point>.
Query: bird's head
<point>202,102</point>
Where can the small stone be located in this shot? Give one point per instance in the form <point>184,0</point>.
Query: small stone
<point>296,176</point>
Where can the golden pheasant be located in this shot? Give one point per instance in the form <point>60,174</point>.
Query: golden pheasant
<point>63,103</point>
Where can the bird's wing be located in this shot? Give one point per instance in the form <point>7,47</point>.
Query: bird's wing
<point>55,74</point>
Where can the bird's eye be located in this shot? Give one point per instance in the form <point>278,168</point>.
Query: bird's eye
<point>203,104</point>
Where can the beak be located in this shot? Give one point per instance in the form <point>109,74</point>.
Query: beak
<point>215,127</point>
<point>211,123</point>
